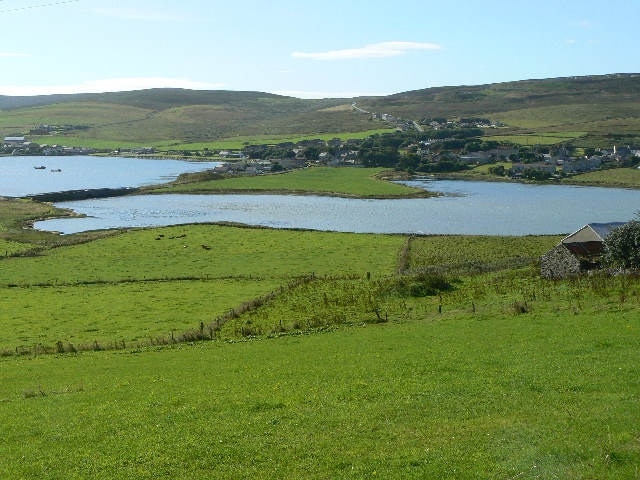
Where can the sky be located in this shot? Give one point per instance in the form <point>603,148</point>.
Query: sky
<point>308,49</point>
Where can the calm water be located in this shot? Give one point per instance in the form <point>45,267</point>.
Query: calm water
<point>19,178</point>
<point>482,208</point>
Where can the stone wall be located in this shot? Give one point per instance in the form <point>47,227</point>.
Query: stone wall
<point>559,262</point>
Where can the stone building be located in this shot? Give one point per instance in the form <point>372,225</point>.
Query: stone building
<point>576,253</point>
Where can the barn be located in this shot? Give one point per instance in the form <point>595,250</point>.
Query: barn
<point>576,253</point>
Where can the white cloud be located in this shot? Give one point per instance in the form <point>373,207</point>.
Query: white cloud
<point>142,15</point>
<point>375,50</point>
<point>109,85</point>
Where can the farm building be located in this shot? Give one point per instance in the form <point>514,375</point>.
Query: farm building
<point>14,141</point>
<point>579,252</point>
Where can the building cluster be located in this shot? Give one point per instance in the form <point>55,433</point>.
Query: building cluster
<point>562,163</point>
<point>21,146</point>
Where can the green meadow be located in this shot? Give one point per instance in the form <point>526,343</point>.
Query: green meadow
<point>238,142</point>
<point>400,357</point>
<point>553,138</point>
<point>164,145</point>
<point>615,177</point>
<point>356,182</point>
<point>143,284</point>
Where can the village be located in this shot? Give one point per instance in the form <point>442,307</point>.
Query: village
<point>443,146</point>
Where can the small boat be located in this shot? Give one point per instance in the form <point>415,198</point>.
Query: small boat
<point>41,167</point>
<point>56,169</point>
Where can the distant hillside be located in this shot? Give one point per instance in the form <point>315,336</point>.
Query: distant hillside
<point>595,105</point>
<point>176,114</point>
<point>497,97</point>
<point>592,105</point>
<point>152,99</point>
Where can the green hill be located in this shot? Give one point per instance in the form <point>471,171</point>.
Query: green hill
<point>596,106</point>
<point>602,109</point>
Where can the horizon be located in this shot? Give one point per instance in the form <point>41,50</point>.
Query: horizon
<point>309,51</point>
<point>614,74</point>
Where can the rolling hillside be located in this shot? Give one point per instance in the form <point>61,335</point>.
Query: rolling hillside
<point>595,105</point>
<point>600,109</point>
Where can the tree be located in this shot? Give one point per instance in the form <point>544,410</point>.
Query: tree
<point>622,246</point>
<point>498,170</point>
<point>312,153</point>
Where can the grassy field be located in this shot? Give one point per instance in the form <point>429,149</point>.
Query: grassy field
<point>14,214</point>
<point>499,374</point>
<point>563,118</point>
<point>171,144</point>
<point>144,284</point>
<point>465,398</point>
<point>236,143</point>
<point>616,177</point>
<point>357,182</point>
<point>537,138</point>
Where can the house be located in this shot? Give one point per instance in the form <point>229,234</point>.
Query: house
<point>576,253</point>
<point>582,164</point>
<point>14,141</point>
<point>518,169</point>
<point>477,158</point>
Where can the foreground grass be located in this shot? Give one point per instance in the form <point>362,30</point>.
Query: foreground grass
<point>500,375</point>
<point>356,182</point>
<point>468,397</point>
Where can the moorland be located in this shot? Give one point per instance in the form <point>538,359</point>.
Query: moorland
<point>226,351</point>
<point>592,111</point>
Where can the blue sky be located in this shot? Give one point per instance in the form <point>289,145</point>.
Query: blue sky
<point>310,49</point>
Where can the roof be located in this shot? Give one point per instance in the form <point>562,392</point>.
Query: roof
<point>588,241</point>
<point>592,232</point>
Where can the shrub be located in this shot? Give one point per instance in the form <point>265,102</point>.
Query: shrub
<point>622,246</point>
<point>419,285</point>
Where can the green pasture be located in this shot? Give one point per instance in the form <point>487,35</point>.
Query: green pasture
<point>168,144</point>
<point>567,117</point>
<point>15,213</point>
<point>465,365</point>
<point>615,177</point>
<point>237,143</point>
<point>141,284</point>
<point>113,313</point>
<point>86,114</point>
<point>537,138</point>
<point>357,182</point>
<point>460,260</point>
<point>77,140</point>
<point>484,392</point>
<point>471,254</point>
